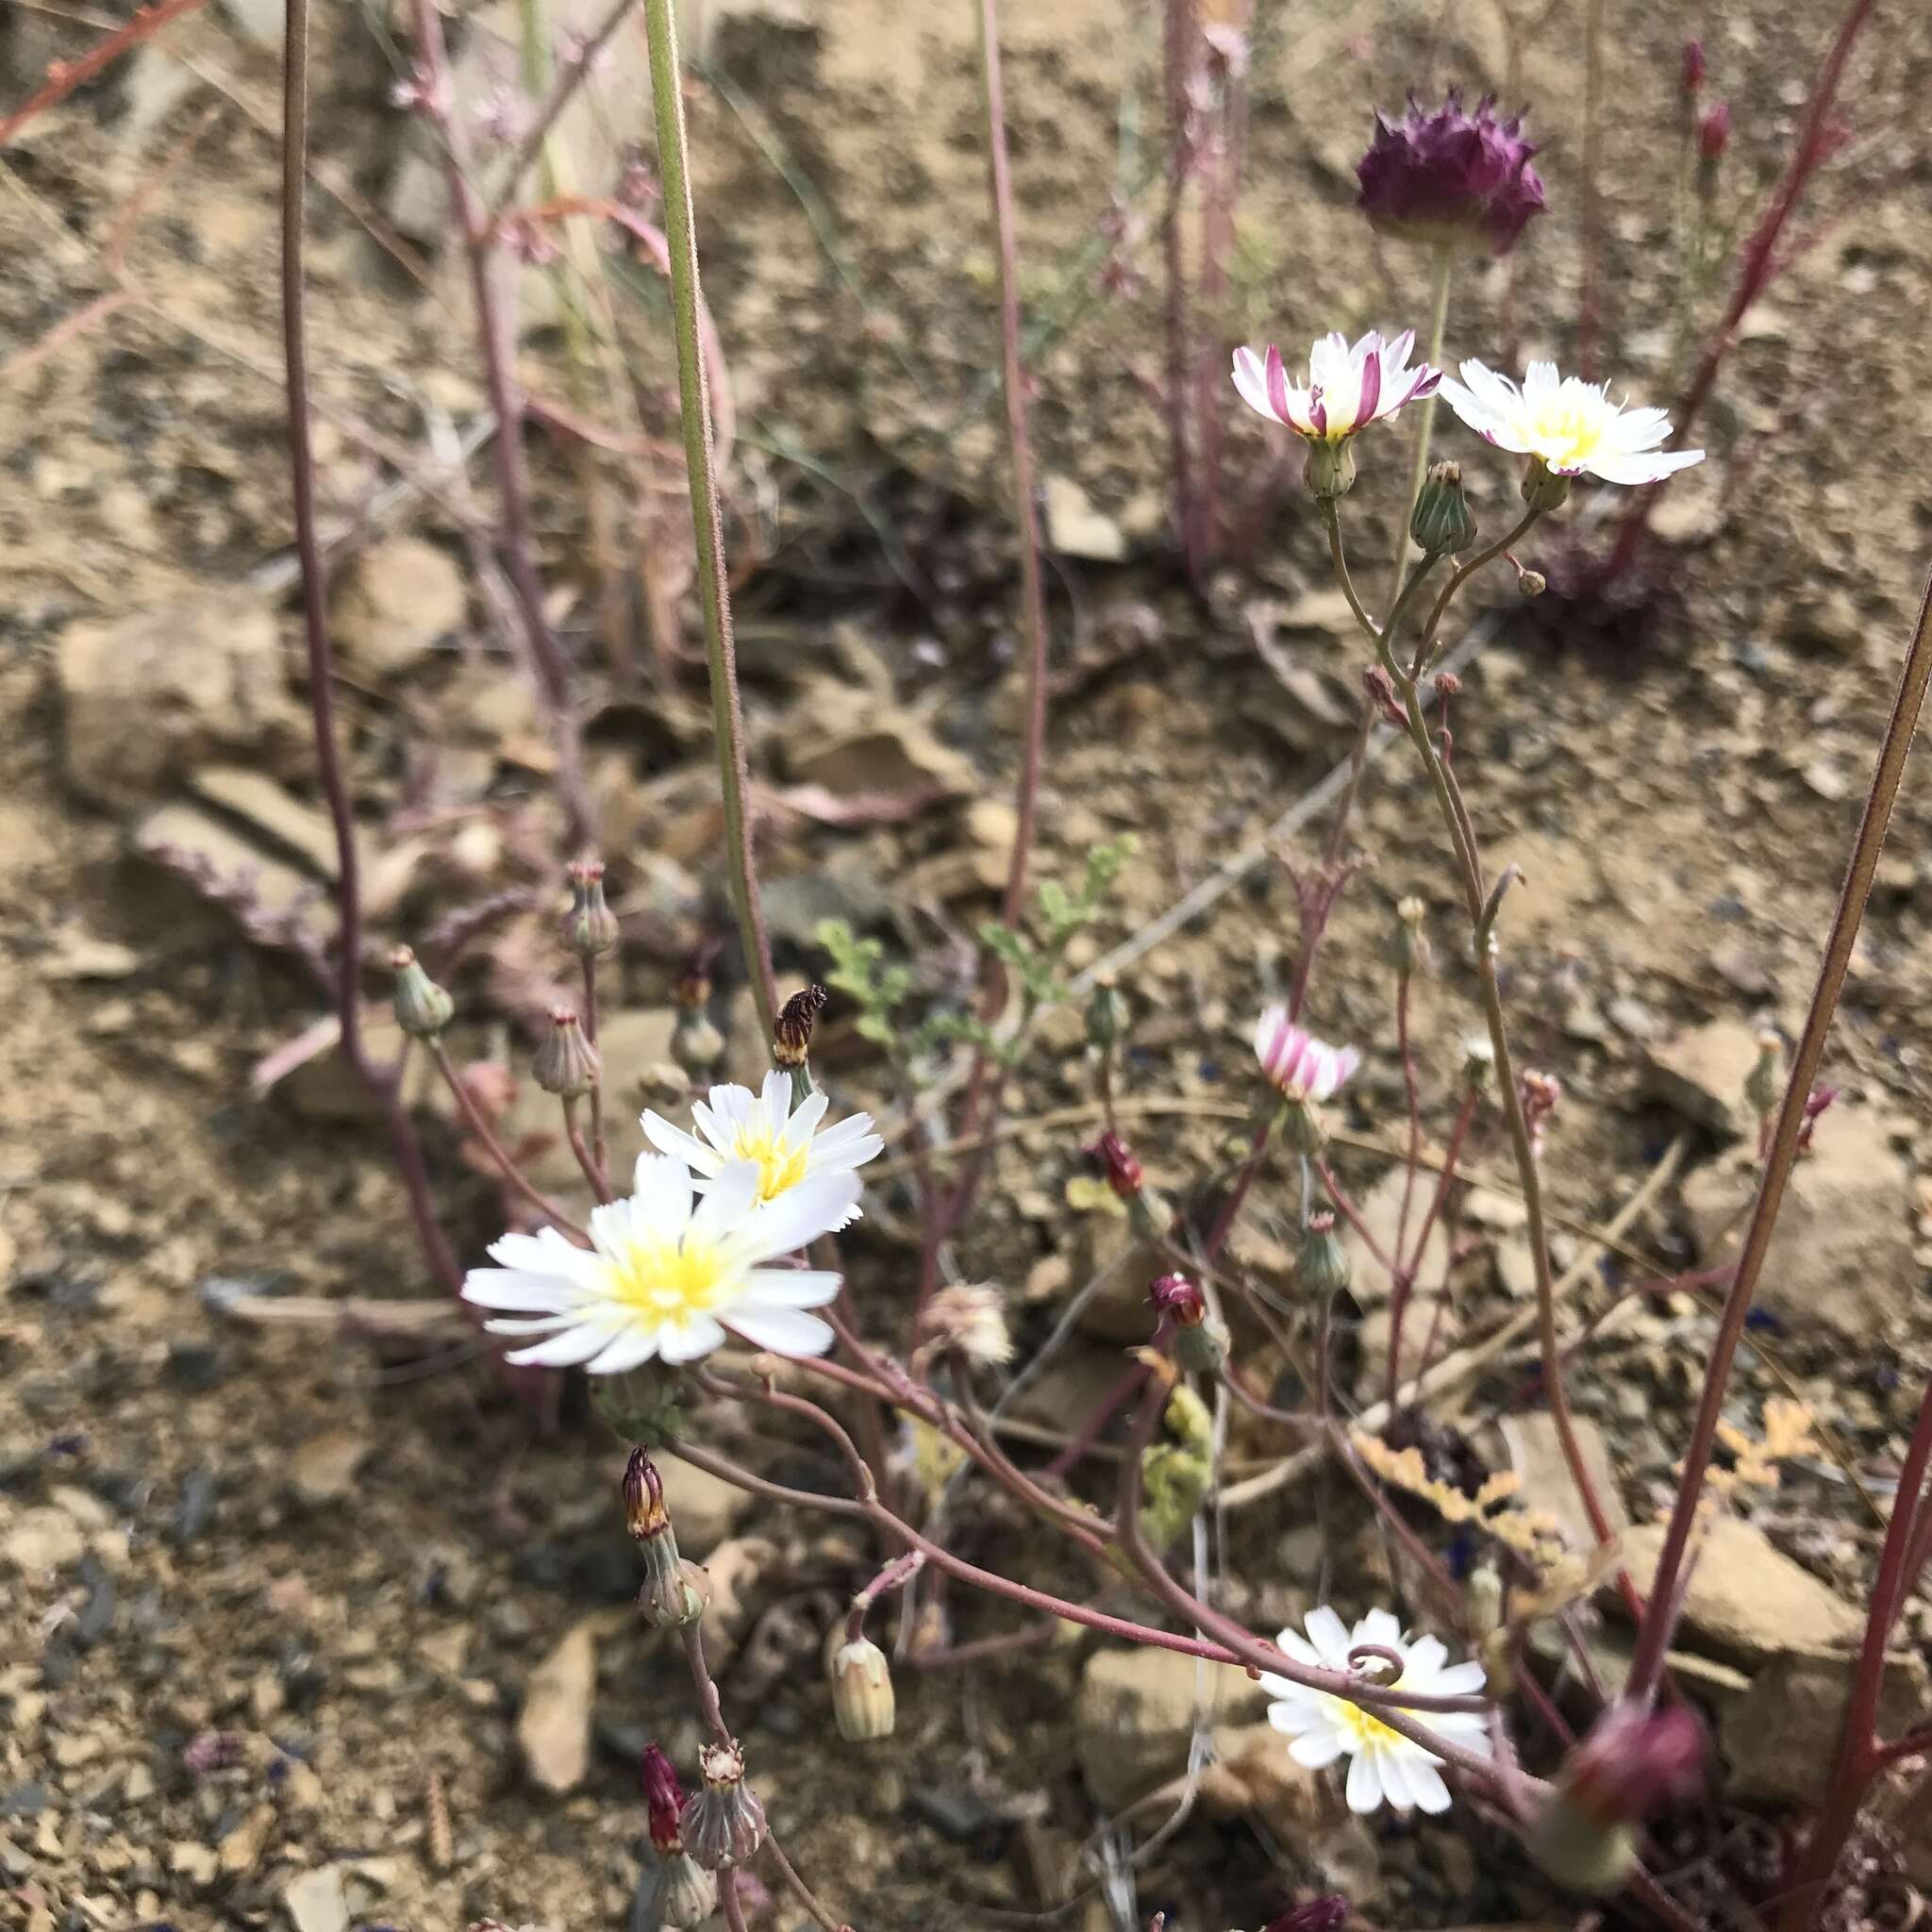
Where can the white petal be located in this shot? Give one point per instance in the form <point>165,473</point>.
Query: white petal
<point>1292,1643</point>
<point>564,1349</point>
<point>818,1204</point>
<point>511,1288</point>
<point>850,1143</point>
<point>660,1198</point>
<point>1425,1785</point>
<point>1460,1680</point>
<point>1648,467</point>
<point>1317,1748</point>
<point>776,1095</point>
<point>677,1144</point>
<point>730,1107</point>
<point>730,1200</point>
<point>549,1256</point>
<point>804,1124</point>
<point>636,1343</point>
<point>1251,382</point>
<point>1329,1635</point>
<point>1427,1657</point>
<point>1379,1626</point>
<point>1393,1771</point>
<point>786,1331</point>
<point>791,1287</point>
<point>1364,1791</point>
<point>686,1341</point>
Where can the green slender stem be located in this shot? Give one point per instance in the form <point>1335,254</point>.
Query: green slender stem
<point>714,584</point>
<point>1463,573</point>
<point>1439,322</point>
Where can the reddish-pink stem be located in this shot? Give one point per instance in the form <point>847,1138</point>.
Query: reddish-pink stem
<point>1653,1635</point>
<point>486,1135</point>
<point>409,1151</point>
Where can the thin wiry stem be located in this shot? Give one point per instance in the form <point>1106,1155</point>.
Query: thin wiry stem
<point>1654,1636</point>
<point>1440,281</point>
<point>714,578</point>
<point>409,1152</point>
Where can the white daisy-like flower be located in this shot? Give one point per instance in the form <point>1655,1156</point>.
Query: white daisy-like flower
<point>785,1146</point>
<point>669,1273</point>
<point>1384,1764</point>
<point>1348,387</point>
<point>1569,425</point>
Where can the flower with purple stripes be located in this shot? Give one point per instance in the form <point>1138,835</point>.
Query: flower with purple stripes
<point>1303,1067</point>
<point>1349,387</point>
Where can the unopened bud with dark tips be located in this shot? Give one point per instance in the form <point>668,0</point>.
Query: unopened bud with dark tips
<point>1442,522</point>
<point>862,1700</point>
<point>696,1045</point>
<point>1633,1760</point>
<point>723,1823</point>
<point>791,1031</point>
<point>422,1007</point>
<point>590,927</point>
<point>673,1592</point>
<point>663,1799</point>
<point>1323,1267</point>
<point>566,1064</point>
<point>693,986</point>
<point>1713,132</point>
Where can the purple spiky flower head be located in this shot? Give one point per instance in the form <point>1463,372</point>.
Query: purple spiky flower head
<point>1446,174</point>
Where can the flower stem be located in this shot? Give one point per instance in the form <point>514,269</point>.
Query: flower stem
<point>1439,322</point>
<point>486,1136</point>
<point>714,582</point>
<point>1653,1635</point>
<point>409,1151</point>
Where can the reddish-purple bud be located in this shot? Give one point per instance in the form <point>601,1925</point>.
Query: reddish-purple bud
<point>1179,1300</point>
<point>645,1513</point>
<point>1714,130</point>
<point>1381,690</point>
<point>1693,66</point>
<point>663,1800</point>
<point>1632,1761</point>
<point>1443,175</point>
<point>1319,1915</point>
<point>1116,1160</point>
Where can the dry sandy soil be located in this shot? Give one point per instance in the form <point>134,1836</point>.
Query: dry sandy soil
<point>277,1594</point>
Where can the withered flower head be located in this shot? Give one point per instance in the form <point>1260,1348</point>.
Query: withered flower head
<point>1446,175</point>
<point>791,1031</point>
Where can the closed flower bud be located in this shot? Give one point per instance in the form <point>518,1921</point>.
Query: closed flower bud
<point>675,1591</point>
<point>422,1007</point>
<point>1441,524</point>
<point>1117,1162</point>
<point>590,927</point>
<point>1542,489</point>
<point>645,1513</point>
<point>1581,1853</point>
<point>862,1698</point>
<point>693,986</point>
<point>1179,1300</point>
<point>1633,1760</point>
<point>1714,132</point>
<point>1330,469</point>
<point>1693,69</point>
<point>1301,1126</point>
<point>1323,1267</point>
<point>1106,1017</point>
<point>696,1045</point>
<point>1532,583</point>
<point>791,1031</point>
<point>1410,945</point>
<point>663,1799</point>
<point>684,1894</point>
<point>566,1064</point>
<point>1450,178</point>
<point>1764,1086</point>
<point>1202,1348</point>
<point>1478,1061</point>
<point>724,1824</point>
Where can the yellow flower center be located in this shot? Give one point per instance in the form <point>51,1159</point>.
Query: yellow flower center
<point>1363,1729</point>
<point>779,1167</point>
<point>668,1280</point>
<point>1567,430</point>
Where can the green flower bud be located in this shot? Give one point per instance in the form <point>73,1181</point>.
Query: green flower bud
<point>1542,489</point>
<point>422,1009</point>
<point>1202,1348</point>
<point>1764,1086</point>
<point>862,1700</point>
<point>1106,1017</point>
<point>590,927</point>
<point>1441,524</point>
<point>1323,1267</point>
<point>1408,946</point>
<point>566,1064</point>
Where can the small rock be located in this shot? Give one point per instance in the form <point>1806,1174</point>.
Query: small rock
<point>1135,1716</point>
<point>1829,623</point>
<point>892,752</point>
<point>147,694</point>
<point>704,1509</point>
<point>1701,1074</point>
<point>1537,1457</point>
<point>316,1902</point>
<point>1841,1255</point>
<point>554,1728</point>
<point>1327,611</point>
<point>1747,1602</point>
<point>1381,1211</point>
<point>398,599</point>
<point>1781,1737</point>
<point>241,1850</point>
<point>78,956</point>
<point>1074,527</point>
<point>301,832</point>
<point>42,1541</point>
<point>196,845</point>
<point>324,1468</point>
